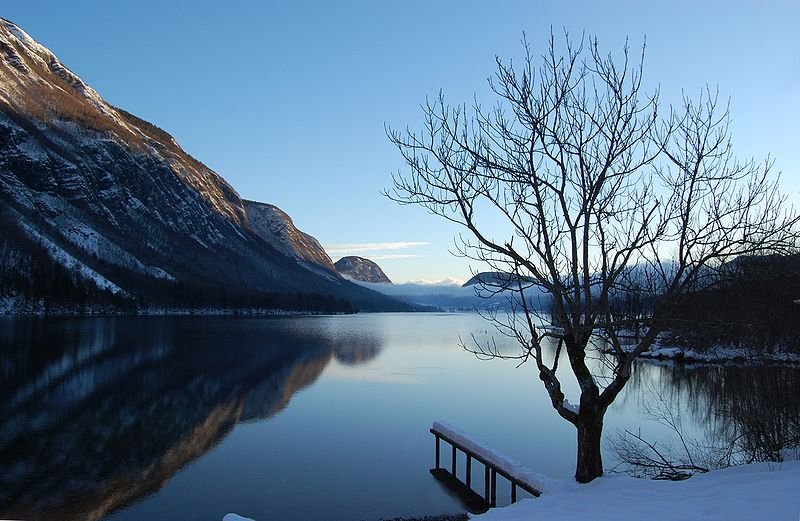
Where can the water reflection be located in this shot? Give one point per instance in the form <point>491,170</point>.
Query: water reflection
<point>738,414</point>
<point>97,414</point>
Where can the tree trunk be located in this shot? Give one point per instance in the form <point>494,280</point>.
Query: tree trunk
<point>590,461</point>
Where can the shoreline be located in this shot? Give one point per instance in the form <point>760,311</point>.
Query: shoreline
<point>719,355</point>
<point>445,517</point>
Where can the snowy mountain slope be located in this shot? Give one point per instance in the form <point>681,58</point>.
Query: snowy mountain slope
<point>124,204</point>
<point>276,227</point>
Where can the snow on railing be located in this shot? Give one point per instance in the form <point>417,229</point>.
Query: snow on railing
<point>494,461</point>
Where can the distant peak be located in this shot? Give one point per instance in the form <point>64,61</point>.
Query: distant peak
<point>496,279</point>
<point>359,268</point>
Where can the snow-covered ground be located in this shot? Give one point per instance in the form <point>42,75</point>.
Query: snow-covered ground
<point>749,492</point>
<point>767,491</point>
<point>720,354</point>
<point>667,348</point>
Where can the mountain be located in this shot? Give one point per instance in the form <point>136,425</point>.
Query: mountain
<point>493,279</point>
<point>276,227</point>
<point>450,295</point>
<point>99,207</point>
<point>359,268</point>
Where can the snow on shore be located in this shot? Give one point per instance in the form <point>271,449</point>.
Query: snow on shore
<point>721,354</point>
<point>667,348</point>
<point>746,493</point>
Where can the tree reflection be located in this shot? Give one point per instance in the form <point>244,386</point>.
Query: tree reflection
<point>756,409</point>
<point>740,414</point>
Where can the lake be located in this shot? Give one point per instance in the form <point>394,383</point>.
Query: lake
<point>296,418</point>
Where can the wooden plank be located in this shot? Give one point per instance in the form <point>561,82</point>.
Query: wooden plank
<point>469,471</point>
<point>437,450</point>
<point>486,481</point>
<point>493,502</point>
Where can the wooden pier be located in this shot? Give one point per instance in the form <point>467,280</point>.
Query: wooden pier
<point>493,464</point>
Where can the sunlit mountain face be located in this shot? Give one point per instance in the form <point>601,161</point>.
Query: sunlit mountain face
<point>99,207</point>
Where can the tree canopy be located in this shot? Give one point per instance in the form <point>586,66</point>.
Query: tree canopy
<point>581,185</point>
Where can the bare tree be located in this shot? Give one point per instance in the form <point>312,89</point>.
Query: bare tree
<point>576,186</point>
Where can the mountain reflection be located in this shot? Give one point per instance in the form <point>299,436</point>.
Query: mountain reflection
<point>97,414</point>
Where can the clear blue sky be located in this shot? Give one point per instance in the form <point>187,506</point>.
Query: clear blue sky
<point>288,100</point>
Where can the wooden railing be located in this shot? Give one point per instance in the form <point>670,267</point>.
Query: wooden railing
<point>493,464</point>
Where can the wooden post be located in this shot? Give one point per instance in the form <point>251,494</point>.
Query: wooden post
<point>493,502</point>
<point>437,452</point>
<point>469,471</point>
<point>513,492</point>
<point>486,481</point>
<point>454,460</point>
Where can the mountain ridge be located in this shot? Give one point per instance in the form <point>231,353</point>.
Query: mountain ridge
<point>130,215</point>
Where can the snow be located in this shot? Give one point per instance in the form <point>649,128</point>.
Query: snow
<point>28,42</point>
<point>59,255</point>
<point>9,304</point>
<point>47,60</point>
<point>508,465</point>
<point>235,517</point>
<point>720,353</point>
<point>743,493</point>
<point>570,406</point>
<point>32,150</point>
<point>748,492</point>
<point>666,348</point>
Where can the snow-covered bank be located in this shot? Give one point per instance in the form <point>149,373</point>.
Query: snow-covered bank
<point>720,354</point>
<point>670,348</point>
<point>748,492</point>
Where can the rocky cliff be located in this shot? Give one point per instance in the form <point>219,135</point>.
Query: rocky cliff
<point>276,227</point>
<point>359,268</point>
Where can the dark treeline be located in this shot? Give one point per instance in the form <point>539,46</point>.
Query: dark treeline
<point>28,271</point>
<point>752,304</point>
<point>178,294</point>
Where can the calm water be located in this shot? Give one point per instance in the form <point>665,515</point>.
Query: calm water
<point>303,418</point>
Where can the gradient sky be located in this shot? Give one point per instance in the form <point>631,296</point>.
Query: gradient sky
<point>288,100</point>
